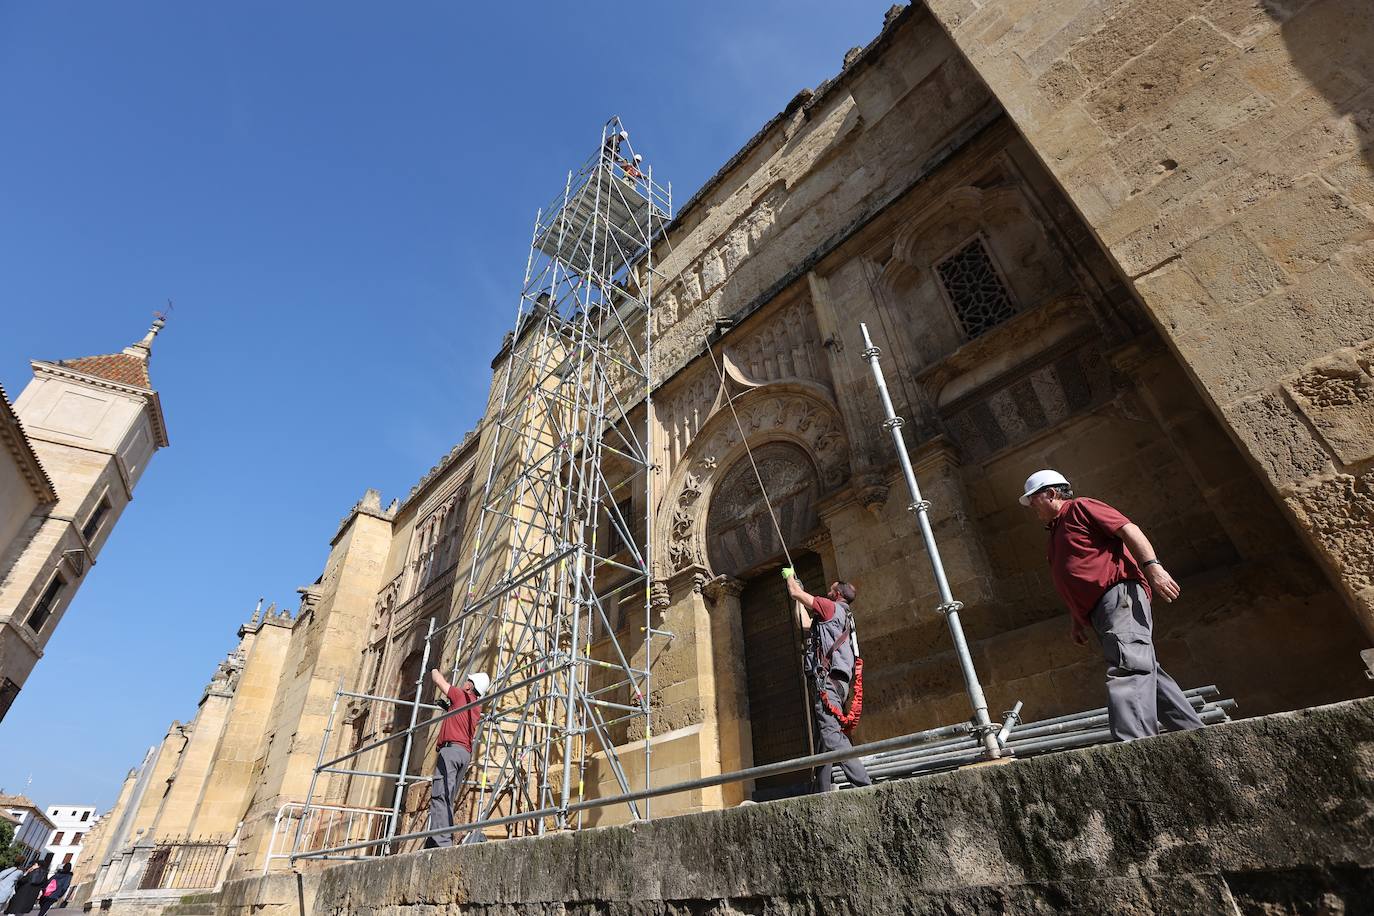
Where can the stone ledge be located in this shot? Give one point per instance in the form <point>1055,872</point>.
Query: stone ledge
<point>1270,812</point>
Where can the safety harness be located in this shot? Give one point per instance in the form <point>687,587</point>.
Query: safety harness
<point>848,721</point>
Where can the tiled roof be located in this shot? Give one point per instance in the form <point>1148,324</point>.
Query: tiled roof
<point>115,367</point>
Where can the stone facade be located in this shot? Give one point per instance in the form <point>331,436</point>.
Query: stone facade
<point>72,449</point>
<point>1072,256</point>
<point>1222,154</point>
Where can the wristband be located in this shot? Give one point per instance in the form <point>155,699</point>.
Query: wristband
<point>1149,563</point>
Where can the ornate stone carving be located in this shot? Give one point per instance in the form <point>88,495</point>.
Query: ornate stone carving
<point>872,493</point>
<point>817,541</point>
<point>722,587</point>
<point>795,413</point>
<point>682,551</point>
<point>742,526</point>
<point>659,596</point>
<point>785,347</point>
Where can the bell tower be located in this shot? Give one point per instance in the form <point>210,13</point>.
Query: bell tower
<point>92,424</point>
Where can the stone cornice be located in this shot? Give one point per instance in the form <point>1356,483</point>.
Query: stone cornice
<point>454,455</point>
<point>151,397</point>
<point>16,441</point>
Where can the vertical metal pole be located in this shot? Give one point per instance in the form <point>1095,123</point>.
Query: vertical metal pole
<point>987,733</point>
<point>314,777</point>
<point>650,463</point>
<point>409,742</point>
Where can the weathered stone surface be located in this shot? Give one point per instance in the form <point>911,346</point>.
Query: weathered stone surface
<point>1242,132</point>
<point>1280,441</point>
<point>1267,815</point>
<point>1337,397</point>
<point>1340,513</point>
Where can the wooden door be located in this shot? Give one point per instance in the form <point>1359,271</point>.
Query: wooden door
<point>779,711</point>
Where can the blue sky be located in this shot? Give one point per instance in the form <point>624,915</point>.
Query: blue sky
<point>338,197</point>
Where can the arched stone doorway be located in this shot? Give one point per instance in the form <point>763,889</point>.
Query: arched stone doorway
<point>742,542</point>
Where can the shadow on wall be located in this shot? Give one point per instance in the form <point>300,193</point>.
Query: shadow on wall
<point>1330,42</point>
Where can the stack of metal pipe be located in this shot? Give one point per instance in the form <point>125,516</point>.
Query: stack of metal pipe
<point>1080,729</point>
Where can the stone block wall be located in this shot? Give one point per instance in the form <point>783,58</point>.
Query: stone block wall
<point>1223,154</point>
<point>1267,815</point>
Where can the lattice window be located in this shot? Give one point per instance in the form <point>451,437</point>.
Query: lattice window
<point>975,289</point>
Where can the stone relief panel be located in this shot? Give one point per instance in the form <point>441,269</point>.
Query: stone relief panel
<point>384,608</point>
<point>785,346</point>
<point>1012,411</point>
<point>740,532</point>
<point>798,413</point>
<point>690,305</point>
<point>686,411</point>
<point>435,544</point>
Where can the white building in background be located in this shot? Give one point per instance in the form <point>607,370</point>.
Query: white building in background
<point>32,829</point>
<point>70,824</point>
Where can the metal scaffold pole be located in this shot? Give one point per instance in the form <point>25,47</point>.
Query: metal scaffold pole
<point>949,607</point>
<point>398,799</point>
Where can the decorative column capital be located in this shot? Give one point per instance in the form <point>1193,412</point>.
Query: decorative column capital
<point>872,493</point>
<point>659,596</point>
<point>722,587</point>
<point>693,576</point>
<point>817,540</point>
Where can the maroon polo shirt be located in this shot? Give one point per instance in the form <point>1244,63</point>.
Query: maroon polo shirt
<point>460,728</point>
<point>1087,557</point>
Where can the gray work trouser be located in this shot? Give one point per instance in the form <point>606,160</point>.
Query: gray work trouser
<point>1140,695</point>
<point>448,776</point>
<point>830,737</point>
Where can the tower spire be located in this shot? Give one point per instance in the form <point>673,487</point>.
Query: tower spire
<point>144,348</point>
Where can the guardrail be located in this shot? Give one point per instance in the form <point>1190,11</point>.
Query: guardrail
<point>1064,732</point>
<point>322,825</point>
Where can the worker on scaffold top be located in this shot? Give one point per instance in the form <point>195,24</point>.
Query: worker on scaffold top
<point>455,749</point>
<point>1106,571</point>
<point>830,660</point>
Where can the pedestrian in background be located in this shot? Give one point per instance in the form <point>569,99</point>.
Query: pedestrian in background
<point>27,890</point>
<point>8,879</point>
<point>56,889</point>
<point>1106,571</point>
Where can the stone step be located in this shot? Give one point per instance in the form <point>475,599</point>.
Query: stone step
<point>194,905</point>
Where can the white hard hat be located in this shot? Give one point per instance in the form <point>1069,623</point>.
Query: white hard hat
<point>1039,481</point>
<point>480,683</point>
<point>638,158</point>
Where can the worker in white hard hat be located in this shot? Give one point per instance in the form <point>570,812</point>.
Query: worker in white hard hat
<point>1107,572</point>
<point>613,142</point>
<point>455,748</point>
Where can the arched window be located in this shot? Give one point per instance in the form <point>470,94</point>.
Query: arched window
<point>975,289</point>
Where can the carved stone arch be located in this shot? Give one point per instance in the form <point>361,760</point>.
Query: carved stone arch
<point>741,527</point>
<point>796,412</point>
<point>967,211</point>
<point>1017,242</point>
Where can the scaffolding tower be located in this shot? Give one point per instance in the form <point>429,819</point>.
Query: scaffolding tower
<point>556,606</point>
